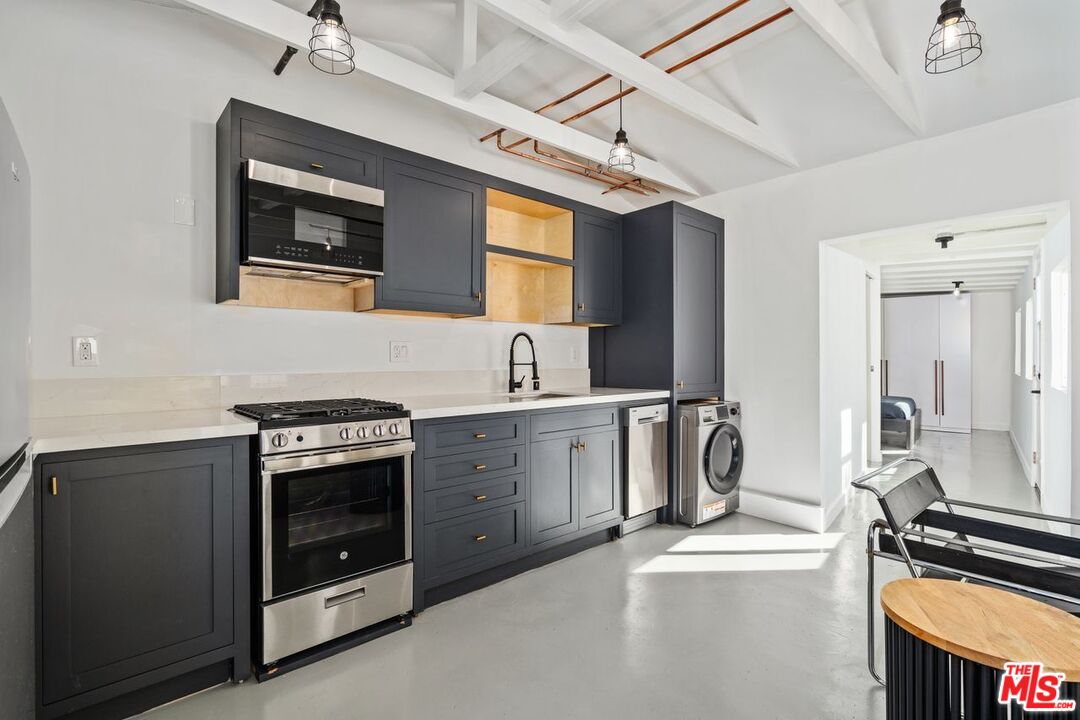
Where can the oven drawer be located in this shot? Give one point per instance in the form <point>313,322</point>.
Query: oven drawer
<point>545,426</point>
<point>315,617</point>
<point>476,496</point>
<point>440,472</point>
<point>301,152</point>
<point>484,431</point>
<point>459,547</point>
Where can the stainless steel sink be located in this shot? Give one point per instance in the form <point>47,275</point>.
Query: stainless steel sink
<point>521,397</point>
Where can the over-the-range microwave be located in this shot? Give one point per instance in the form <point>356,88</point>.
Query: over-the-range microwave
<point>309,224</point>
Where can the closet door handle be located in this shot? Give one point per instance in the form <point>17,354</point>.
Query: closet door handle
<point>935,389</point>
<point>942,387</point>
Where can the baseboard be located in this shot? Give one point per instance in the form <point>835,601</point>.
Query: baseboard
<point>1022,456</point>
<point>991,426</point>
<point>786,511</point>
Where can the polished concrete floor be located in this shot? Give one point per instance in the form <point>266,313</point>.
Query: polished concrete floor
<point>741,618</point>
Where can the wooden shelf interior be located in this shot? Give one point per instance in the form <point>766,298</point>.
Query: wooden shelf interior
<point>261,287</point>
<point>530,225</point>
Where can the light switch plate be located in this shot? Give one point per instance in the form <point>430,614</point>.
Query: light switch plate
<point>400,351</point>
<point>84,352</point>
<point>184,210</point>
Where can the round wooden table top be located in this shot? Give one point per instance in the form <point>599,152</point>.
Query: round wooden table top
<point>985,625</point>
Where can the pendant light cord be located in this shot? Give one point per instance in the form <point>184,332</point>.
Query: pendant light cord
<point>620,104</point>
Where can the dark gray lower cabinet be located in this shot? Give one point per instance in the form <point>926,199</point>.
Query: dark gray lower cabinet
<point>144,557</point>
<point>497,492</point>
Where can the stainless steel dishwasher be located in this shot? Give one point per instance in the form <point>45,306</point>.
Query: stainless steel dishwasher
<point>646,480</point>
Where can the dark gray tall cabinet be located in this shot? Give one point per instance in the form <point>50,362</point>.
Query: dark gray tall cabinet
<point>672,331</point>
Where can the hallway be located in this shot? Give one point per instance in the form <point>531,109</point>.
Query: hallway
<point>669,622</point>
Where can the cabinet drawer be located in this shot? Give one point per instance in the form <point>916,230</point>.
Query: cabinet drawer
<point>476,496</point>
<point>576,422</point>
<point>302,152</point>
<point>459,547</point>
<point>447,470</point>
<point>480,432</point>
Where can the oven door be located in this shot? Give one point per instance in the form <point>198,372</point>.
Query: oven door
<point>295,219</point>
<point>329,516</point>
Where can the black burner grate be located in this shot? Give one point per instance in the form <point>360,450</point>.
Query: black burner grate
<point>317,409</point>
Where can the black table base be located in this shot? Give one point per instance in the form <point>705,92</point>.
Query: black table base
<point>924,682</point>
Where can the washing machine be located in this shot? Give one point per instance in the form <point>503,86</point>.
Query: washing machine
<point>711,460</point>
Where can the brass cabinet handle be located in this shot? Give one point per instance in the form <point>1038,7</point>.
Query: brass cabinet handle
<point>54,486</point>
<point>316,166</point>
<point>479,436</point>
<point>680,384</point>
<point>480,467</point>
<point>480,498</point>
<point>579,446</point>
<point>480,296</point>
<point>480,538</point>
<point>581,307</point>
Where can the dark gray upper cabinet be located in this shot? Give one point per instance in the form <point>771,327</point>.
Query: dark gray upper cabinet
<point>434,252</point>
<point>143,568</point>
<point>597,270</point>
<point>321,156</point>
<point>699,303</point>
<point>672,332</point>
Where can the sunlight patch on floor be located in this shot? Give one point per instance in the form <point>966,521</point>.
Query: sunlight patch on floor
<point>756,543</point>
<point>717,563</point>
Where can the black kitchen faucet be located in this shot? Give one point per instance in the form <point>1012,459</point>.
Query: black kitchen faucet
<point>514,386</point>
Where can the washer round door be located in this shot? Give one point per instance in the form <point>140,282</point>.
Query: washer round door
<point>724,459</point>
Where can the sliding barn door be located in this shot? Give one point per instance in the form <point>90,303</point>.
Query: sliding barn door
<point>909,347</point>
<point>954,369</point>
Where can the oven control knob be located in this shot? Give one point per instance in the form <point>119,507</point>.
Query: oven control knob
<point>279,440</point>
<point>379,431</point>
<point>361,432</point>
<point>346,433</point>
<point>395,428</point>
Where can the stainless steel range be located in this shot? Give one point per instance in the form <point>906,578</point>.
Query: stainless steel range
<point>335,520</point>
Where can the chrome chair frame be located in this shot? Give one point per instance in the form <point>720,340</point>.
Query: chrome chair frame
<point>899,530</point>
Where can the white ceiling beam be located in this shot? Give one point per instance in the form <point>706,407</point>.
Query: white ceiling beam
<point>274,20</point>
<point>1022,256</point>
<point>956,275</point>
<point>514,50</point>
<point>841,33</point>
<point>465,17</point>
<point>948,285</point>
<point>501,60</point>
<point>591,47</point>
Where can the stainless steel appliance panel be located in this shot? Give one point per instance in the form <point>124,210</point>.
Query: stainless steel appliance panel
<point>14,293</point>
<point>646,459</point>
<point>315,617</point>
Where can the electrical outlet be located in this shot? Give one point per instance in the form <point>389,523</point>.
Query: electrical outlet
<point>184,210</point>
<point>84,352</point>
<point>400,352</point>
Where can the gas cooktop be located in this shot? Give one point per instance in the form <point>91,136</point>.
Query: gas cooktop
<point>321,411</point>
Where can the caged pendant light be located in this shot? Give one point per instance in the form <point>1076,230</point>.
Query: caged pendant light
<point>621,158</point>
<point>331,44</point>
<point>955,41</point>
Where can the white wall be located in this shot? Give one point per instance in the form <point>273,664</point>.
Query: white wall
<point>1055,474</point>
<point>772,235</point>
<point>845,428</point>
<point>117,117</point>
<point>1020,423</point>
<point>991,360</point>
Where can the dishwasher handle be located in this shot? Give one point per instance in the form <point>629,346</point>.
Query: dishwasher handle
<point>646,415</point>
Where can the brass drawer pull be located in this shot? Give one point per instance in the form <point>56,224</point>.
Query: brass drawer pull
<point>480,538</point>
<point>54,487</point>
<point>580,447</point>
<point>581,307</point>
<point>316,166</point>
<point>480,498</point>
<point>480,436</point>
<point>479,468</point>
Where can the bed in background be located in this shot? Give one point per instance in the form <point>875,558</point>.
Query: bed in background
<point>901,421</point>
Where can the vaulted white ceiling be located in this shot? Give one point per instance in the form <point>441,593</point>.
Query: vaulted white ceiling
<point>822,84</point>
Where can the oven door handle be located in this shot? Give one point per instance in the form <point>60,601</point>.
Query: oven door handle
<point>336,457</point>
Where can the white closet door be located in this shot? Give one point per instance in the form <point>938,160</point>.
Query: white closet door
<point>910,348</point>
<point>955,355</point>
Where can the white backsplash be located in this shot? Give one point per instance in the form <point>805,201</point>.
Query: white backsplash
<point>64,397</point>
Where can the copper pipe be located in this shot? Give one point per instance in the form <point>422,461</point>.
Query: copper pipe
<point>648,53</point>
<point>588,173</point>
<point>680,65</point>
<point>622,180</point>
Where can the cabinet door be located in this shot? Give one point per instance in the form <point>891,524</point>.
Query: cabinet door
<point>137,565</point>
<point>954,368</point>
<point>599,479</point>
<point>434,246</point>
<point>909,348</point>
<point>553,494</point>
<point>597,270</point>
<point>699,304</point>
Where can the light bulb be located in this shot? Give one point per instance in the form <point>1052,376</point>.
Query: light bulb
<point>950,35</point>
<point>956,292</point>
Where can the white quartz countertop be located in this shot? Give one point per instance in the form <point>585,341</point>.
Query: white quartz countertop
<point>99,431</point>
<point>442,406</point>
